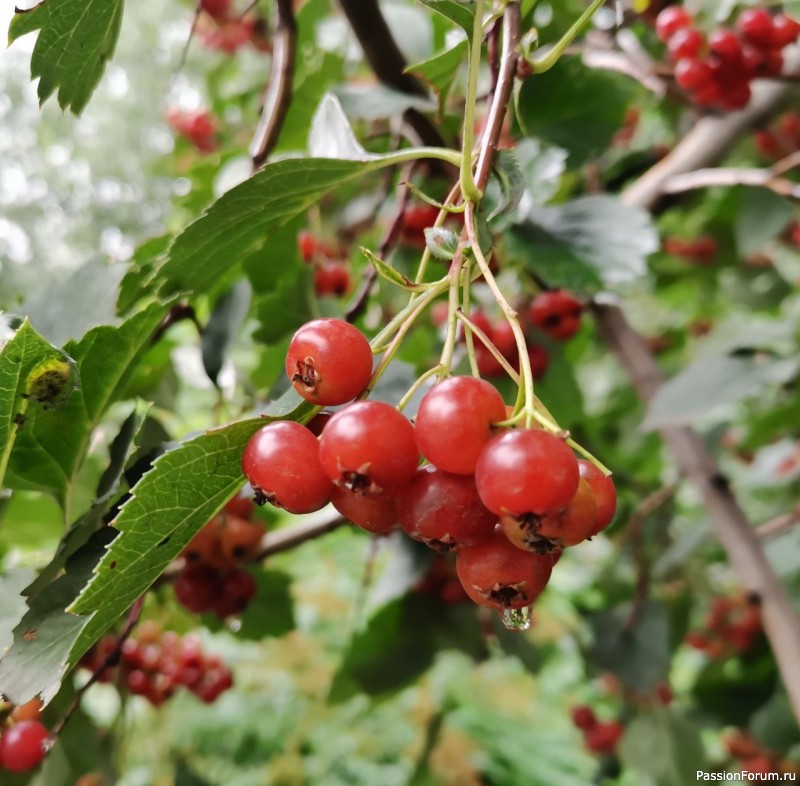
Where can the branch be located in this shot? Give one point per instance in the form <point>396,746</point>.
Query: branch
<point>387,62</point>
<point>779,525</point>
<point>279,90</point>
<point>312,526</point>
<point>707,143</point>
<point>721,176</point>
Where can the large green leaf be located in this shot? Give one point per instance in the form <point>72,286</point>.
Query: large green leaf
<point>50,449</point>
<point>75,41</point>
<point>12,604</point>
<point>23,358</point>
<point>461,12</point>
<point>440,70</point>
<point>663,746</point>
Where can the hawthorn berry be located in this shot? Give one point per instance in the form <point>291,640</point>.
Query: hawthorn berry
<point>241,505</point>
<point>197,588</point>
<point>583,717</point>
<point>444,511</point>
<point>785,30</point>
<point>373,514</point>
<point>416,219</point>
<point>686,42</point>
<point>281,461</point>
<point>558,313</point>
<point>238,589</point>
<point>495,573</point>
<point>605,494</point>
<point>368,448</point>
<point>756,27</point>
<point>526,471</point>
<point>670,20</point>
<point>454,420</point>
<point>28,711</point>
<point>329,361</point>
<point>331,278</point>
<point>691,73</point>
<point>23,746</point>
<point>239,538</point>
<point>725,44</point>
<point>603,737</point>
<point>204,547</point>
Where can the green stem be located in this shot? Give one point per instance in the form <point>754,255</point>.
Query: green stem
<point>586,454</point>
<point>469,189</point>
<point>446,360</point>
<point>466,292</point>
<point>489,344</point>
<point>544,61</point>
<point>421,380</point>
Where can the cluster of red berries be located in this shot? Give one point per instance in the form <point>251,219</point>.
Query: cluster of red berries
<point>211,579</point>
<point>441,581</point>
<point>752,757</point>
<point>197,126</point>
<point>700,251</point>
<point>504,498</point>
<point>331,274</point>
<point>781,139</point>
<point>600,737</point>
<point>156,663</point>
<point>24,739</point>
<point>716,71</point>
<point>732,625</point>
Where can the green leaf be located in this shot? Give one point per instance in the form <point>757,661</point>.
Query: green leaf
<point>223,325</point>
<point>635,649</point>
<point>12,603</point>
<point>182,491</point>
<point>441,70</point>
<point>507,171</point>
<point>441,242</point>
<point>271,613</point>
<point>574,107</point>
<point>613,238</point>
<point>51,447</point>
<point>542,167</point>
<point>389,273</point>
<point>284,309</point>
<point>792,8</point>
<point>763,215</point>
<point>713,382</point>
<point>663,746</point>
<point>75,41</point>
<point>462,12</point>
<point>376,102</point>
<point>22,358</point>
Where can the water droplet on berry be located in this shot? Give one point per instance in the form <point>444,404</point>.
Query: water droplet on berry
<point>517,619</point>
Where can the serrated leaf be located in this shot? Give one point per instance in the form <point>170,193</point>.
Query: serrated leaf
<point>712,382</point>
<point>75,41</point>
<point>331,135</point>
<point>542,167</point>
<point>19,358</point>
<point>441,242</point>
<point>663,746</point>
<point>610,236</point>
<point>462,12</point>
<point>386,271</point>
<point>224,323</point>
<point>51,447</point>
<point>182,491</point>
<point>285,308</point>
<point>12,604</point>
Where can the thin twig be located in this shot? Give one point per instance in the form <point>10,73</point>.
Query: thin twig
<point>192,30</point>
<point>731,176</point>
<point>779,525</point>
<point>279,90</point>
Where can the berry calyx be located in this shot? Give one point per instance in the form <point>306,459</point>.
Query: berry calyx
<point>329,361</point>
<point>454,420</point>
<point>282,464</point>
<point>368,448</point>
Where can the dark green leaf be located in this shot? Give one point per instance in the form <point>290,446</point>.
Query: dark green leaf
<point>12,603</point>
<point>51,447</point>
<point>441,70</point>
<point>271,612</point>
<point>75,41</point>
<point>25,356</point>
<point>387,272</point>
<point>663,746</point>
<point>763,215</point>
<point>286,308</point>
<point>635,649</point>
<point>712,382</point>
<point>509,175</point>
<point>223,326</point>
<point>462,12</point>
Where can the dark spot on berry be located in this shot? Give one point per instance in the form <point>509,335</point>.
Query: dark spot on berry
<point>552,321</point>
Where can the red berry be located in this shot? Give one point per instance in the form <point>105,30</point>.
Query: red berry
<point>138,682</point>
<point>444,510</point>
<point>504,339</point>
<point>539,359</point>
<point>784,30</point>
<point>329,361</point>
<point>691,73</point>
<point>495,573</point>
<point>368,448</point>
<point>29,711</point>
<point>708,94</point>
<point>373,514</point>
<point>670,20</point>
<point>331,278</point>
<point>584,718</point>
<point>454,420</point>
<point>238,589</point>
<point>242,504</point>
<point>416,219</point>
<point>204,546</point>
<point>725,44</point>
<point>736,97</point>
<point>554,531</point>
<point>558,313</point>
<point>281,461</point>
<point>439,312</point>
<point>218,9</point>
<point>23,746</point>
<point>488,364</point>
<point>197,588</point>
<point>755,26</point>
<point>685,42</point>
<point>603,738</point>
<point>526,471</point>
<point>605,494</point>
<point>240,539</point>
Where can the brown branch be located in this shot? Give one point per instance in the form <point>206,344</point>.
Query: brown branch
<point>279,90</point>
<point>312,526</point>
<point>731,176</point>
<point>707,143</point>
<point>387,62</point>
<point>779,525</point>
